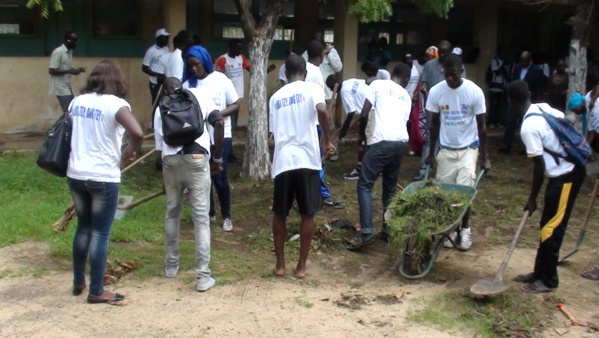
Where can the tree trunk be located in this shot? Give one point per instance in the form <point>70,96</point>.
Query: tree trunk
<point>256,161</point>
<point>577,64</point>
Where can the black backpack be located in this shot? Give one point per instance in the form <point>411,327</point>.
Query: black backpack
<point>182,120</point>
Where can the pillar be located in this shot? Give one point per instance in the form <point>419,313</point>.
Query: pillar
<point>175,14</point>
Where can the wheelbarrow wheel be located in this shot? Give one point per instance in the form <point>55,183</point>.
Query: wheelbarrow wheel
<point>416,265</point>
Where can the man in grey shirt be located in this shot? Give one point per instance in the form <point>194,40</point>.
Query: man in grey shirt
<point>61,69</point>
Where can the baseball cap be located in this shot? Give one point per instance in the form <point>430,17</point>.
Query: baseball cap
<point>457,51</point>
<point>162,32</point>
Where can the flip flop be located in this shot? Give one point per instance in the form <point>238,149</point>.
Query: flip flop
<point>525,278</point>
<point>536,287</point>
<point>361,242</point>
<point>592,274</point>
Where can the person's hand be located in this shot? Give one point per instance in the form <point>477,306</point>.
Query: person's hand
<point>530,206</point>
<point>127,156</point>
<point>486,164</point>
<point>328,49</point>
<point>329,150</point>
<point>82,69</point>
<point>161,77</point>
<point>75,71</point>
<point>215,168</point>
<point>271,68</point>
<point>430,160</point>
<point>361,141</point>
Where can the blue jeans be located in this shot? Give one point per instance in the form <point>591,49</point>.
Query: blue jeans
<point>221,183</point>
<point>512,121</point>
<point>323,185</point>
<point>180,172</point>
<point>95,205</point>
<point>382,157</point>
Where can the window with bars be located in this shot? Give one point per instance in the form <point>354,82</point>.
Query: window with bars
<point>17,19</point>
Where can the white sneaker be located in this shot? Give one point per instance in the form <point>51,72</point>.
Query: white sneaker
<point>454,237</point>
<point>466,239</point>
<point>227,225</point>
<point>171,272</point>
<point>205,284</point>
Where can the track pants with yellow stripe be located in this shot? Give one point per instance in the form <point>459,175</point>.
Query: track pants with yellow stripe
<point>560,196</point>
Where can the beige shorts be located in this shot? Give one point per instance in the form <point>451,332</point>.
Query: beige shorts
<point>457,166</point>
<point>369,127</point>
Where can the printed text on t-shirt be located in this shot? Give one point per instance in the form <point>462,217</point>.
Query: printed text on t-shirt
<point>88,113</point>
<point>286,102</point>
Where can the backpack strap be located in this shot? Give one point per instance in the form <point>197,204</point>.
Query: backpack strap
<point>556,156</point>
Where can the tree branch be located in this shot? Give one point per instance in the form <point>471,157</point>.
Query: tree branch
<point>248,23</point>
<point>270,17</point>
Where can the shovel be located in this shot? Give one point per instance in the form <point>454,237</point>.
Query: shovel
<point>485,287</point>
<point>126,203</point>
<point>583,231</point>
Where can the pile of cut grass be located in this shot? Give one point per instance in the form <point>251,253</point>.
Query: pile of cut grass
<point>414,218</point>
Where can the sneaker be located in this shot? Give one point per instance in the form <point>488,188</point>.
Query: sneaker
<point>454,237</point>
<point>227,225</point>
<point>353,175</point>
<point>205,284</point>
<point>329,202</point>
<point>334,157</point>
<point>171,272</point>
<point>466,239</point>
<point>419,177</point>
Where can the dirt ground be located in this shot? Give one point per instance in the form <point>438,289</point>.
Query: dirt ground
<point>265,306</point>
<point>40,304</point>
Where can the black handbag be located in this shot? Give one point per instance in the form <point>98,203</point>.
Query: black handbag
<point>54,154</point>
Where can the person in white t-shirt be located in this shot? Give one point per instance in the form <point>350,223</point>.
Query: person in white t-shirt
<point>173,62</point>
<point>313,74</point>
<point>353,93</point>
<point>199,73</point>
<point>392,105</point>
<point>188,167</point>
<point>293,111</point>
<point>563,185</point>
<point>458,108</point>
<point>100,117</point>
<point>151,64</point>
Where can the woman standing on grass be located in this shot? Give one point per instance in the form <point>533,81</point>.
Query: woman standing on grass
<point>100,118</point>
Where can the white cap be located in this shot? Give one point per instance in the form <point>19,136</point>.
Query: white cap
<point>457,51</point>
<point>162,32</point>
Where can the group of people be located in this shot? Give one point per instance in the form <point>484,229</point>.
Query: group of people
<point>453,121</point>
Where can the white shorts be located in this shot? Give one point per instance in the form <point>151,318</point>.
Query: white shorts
<point>457,166</point>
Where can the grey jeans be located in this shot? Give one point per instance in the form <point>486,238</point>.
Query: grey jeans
<point>64,101</point>
<point>180,172</point>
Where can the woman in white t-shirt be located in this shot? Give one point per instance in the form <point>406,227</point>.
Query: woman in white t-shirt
<point>199,73</point>
<point>100,118</point>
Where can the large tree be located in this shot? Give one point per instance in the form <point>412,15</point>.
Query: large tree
<point>581,22</point>
<point>259,36</point>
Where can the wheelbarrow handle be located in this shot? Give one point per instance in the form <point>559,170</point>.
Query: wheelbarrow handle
<point>478,177</point>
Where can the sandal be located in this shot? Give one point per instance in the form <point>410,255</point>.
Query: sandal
<point>525,278</point>
<point>97,300</point>
<point>361,242</point>
<point>592,274</point>
<point>536,287</point>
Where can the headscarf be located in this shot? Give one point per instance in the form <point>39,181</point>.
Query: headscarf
<point>575,101</point>
<point>433,52</point>
<point>201,54</point>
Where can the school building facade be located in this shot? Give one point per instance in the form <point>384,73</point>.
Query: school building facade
<point>123,30</point>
